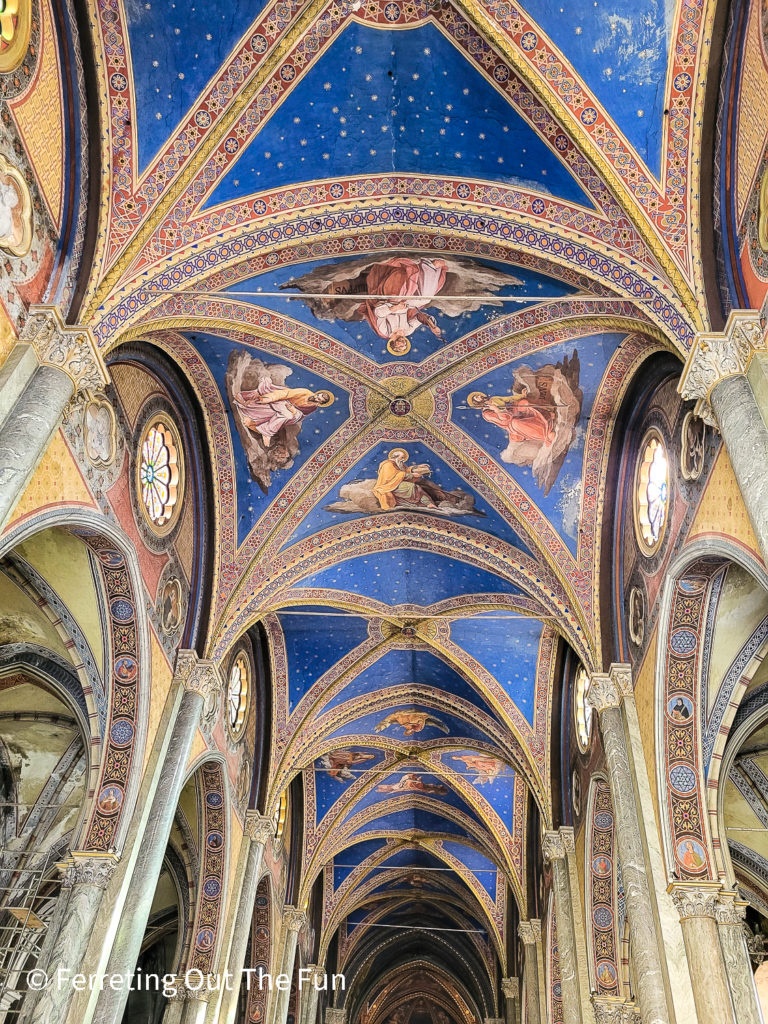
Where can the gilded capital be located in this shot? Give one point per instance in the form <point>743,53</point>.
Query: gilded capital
<point>510,987</point>
<point>196,675</point>
<point>258,828</point>
<point>717,355</point>
<point>72,350</point>
<point>89,869</point>
<point>293,919</point>
<point>530,931</point>
<point>695,899</point>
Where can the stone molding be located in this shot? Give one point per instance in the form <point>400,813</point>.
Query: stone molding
<point>717,355</point>
<point>608,689</point>
<point>615,1011</point>
<point>258,828</point>
<point>511,987</point>
<point>72,350</point>
<point>695,899</point>
<point>89,869</point>
<point>196,675</point>
<point>530,931</point>
<point>293,919</point>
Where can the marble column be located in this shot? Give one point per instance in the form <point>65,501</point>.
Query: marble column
<point>194,992</point>
<point>83,888</point>
<point>530,934</point>
<point>310,992</point>
<point>293,921</point>
<point>68,362</point>
<point>696,903</point>
<point>198,679</point>
<point>257,831</point>
<point>605,695</point>
<point>511,989</point>
<point>554,849</point>
<point>609,1010</point>
<point>730,912</point>
<point>715,376</point>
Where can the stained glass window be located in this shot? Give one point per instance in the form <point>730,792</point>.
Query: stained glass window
<point>651,492</point>
<point>160,474</point>
<point>583,710</point>
<point>238,687</point>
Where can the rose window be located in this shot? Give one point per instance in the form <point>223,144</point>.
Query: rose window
<point>160,474</point>
<point>238,687</point>
<point>652,492</point>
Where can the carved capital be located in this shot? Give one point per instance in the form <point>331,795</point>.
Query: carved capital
<point>730,909</point>
<point>530,931</point>
<point>316,973</point>
<point>695,899</point>
<point>196,675</point>
<point>293,919</point>
<point>89,869</point>
<point>334,1016</point>
<point>258,828</point>
<point>615,1011</point>
<point>717,355</point>
<point>511,987</point>
<point>608,689</point>
<point>493,1020</point>
<point>552,846</point>
<point>72,350</point>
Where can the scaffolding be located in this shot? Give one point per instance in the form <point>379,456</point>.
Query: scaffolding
<point>30,886</point>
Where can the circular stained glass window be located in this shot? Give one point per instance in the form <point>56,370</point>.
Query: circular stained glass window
<point>651,492</point>
<point>583,710</point>
<point>238,688</point>
<point>160,474</point>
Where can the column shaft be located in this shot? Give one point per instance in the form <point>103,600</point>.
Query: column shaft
<point>696,905</point>
<point>257,832</point>
<point>605,698</point>
<point>310,995</point>
<point>293,921</point>
<point>199,678</point>
<point>554,851</point>
<point>70,363</point>
<point>85,882</point>
<point>738,968</point>
<point>530,933</point>
<point>27,431</point>
<point>746,439</point>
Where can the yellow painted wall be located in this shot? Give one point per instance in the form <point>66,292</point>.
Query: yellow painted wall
<point>56,481</point>
<point>721,510</point>
<point>645,703</point>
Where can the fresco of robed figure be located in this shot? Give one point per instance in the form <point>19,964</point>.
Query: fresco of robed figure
<point>399,485</point>
<point>268,415</point>
<point>391,292</point>
<point>539,416</point>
